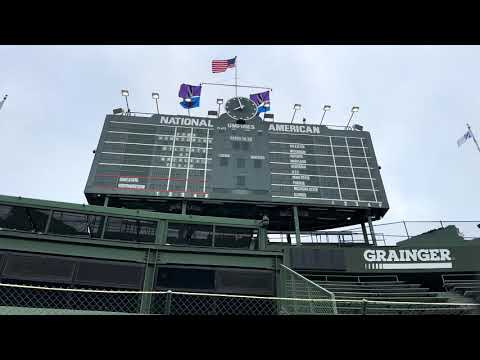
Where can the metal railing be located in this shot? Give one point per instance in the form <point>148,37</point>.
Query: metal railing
<point>35,300</point>
<point>294,285</point>
<point>327,237</point>
<point>387,234</point>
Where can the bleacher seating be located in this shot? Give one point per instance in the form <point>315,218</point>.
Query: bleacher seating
<point>464,284</point>
<point>393,296</point>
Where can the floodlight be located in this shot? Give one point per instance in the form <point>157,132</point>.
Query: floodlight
<point>357,127</point>
<point>327,107</point>
<point>354,110</point>
<point>219,101</point>
<point>124,92</point>
<point>295,108</point>
<point>118,111</point>
<point>155,96</point>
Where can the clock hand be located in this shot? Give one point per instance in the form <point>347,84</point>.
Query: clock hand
<point>241,106</point>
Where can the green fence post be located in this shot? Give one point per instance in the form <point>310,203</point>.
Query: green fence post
<point>168,302</point>
<point>364,306</point>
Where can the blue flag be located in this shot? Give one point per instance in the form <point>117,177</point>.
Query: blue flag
<point>195,102</point>
<point>262,100</point>
<point>264,107</point>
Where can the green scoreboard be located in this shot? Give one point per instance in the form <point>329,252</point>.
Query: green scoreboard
<point>219,159</point>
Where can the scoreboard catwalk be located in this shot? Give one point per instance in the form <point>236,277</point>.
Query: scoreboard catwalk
<point>181,157</point>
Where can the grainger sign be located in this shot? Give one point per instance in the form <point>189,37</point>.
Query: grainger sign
<point>406,259</point>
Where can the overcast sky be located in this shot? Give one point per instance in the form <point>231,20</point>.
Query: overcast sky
<point>414,100</point>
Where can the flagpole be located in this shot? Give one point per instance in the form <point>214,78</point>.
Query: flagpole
<point>236,66</point>
<point>3,101</point>
<point>242,86</point>
<point>473,137</point>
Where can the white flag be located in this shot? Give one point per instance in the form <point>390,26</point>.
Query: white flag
<point>464,138</point>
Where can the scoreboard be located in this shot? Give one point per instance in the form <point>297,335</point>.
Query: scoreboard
<point>259,162</point>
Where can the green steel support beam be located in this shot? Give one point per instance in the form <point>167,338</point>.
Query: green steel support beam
<point>364,231</point>
<point>297,226</point>
<point>262,238</point>
<point>372,231</point>
<point>148,281</point>
<point>161,233</point>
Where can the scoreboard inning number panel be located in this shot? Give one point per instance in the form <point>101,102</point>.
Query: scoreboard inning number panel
<point>205,158</point>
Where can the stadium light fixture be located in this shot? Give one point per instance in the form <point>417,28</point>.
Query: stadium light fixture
<point>126,94</point>
<point>295,108</point>
<point>156,96</point>
<point>219,102</point>
<point>353,111</point>
<point>325,109</point>
<point>268,116</point>
<point>357,127</point>
<point>118,111</point>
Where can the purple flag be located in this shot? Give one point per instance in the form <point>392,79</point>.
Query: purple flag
<point>260,98</point>
<point>188,91</point>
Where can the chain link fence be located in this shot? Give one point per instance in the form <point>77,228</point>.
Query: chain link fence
<point>35,300</point>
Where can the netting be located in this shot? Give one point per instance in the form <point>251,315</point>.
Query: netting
<point>36,300</point>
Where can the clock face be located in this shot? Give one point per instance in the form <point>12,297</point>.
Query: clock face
<point>241,108</point>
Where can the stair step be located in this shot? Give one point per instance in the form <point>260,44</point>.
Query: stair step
<point>428,299</point>
<point>376,289</point>
<point>377,295</point>
<point>369,285</point>
<point>358,283</point>
<point>462,283</point>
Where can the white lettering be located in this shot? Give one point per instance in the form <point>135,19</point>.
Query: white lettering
<point>301,177</point>
<point>423,255</point>
<point>434,255</point>
<point>411,255</point>
<point>392,256</point>
<point>407,255</point>
<point>381,255</point>
<point>369,255</point>
<point>445,255</point>
<point>128,179</point>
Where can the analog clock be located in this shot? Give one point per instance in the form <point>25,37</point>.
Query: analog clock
<point>241,108</point>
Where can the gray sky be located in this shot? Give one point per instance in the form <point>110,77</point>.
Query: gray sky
<point>414,100</point>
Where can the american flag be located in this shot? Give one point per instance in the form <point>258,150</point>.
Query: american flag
<point>222,65</point>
